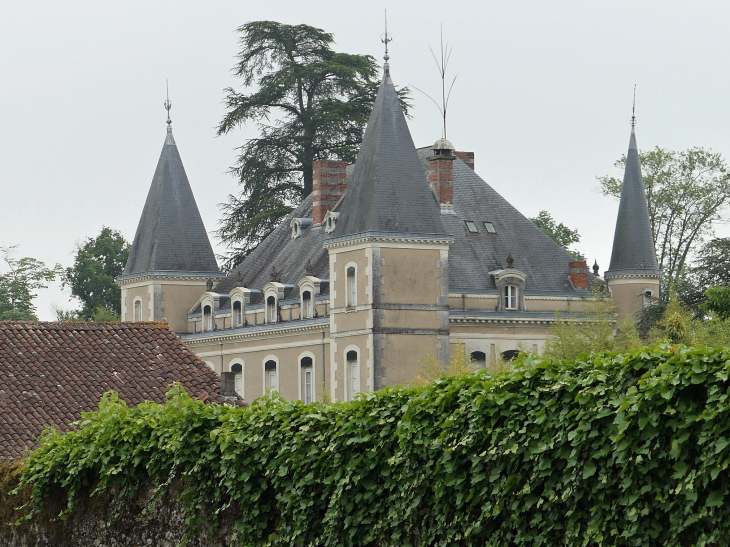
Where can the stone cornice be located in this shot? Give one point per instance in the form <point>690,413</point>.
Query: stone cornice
<point>389,237</point>
<point>245,333</point>
<point>167,276</point>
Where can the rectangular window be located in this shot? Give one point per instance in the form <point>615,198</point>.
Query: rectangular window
<point>351,294</point>
<point>239,383</point>
<point>308,387</point>
<point>272,381</point>
<point>489,227</point>
<point>510,297</point>
<point>471,226</point>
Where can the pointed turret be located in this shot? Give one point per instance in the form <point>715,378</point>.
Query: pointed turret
<point>633,275</point>
<point>387,191</point>
<point>170,235</point>
<point>171,258</point>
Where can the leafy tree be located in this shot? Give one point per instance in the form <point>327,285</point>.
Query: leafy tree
<point>687,193</point>
<point>559,233</point>
<point>23,276</point>
<point>91,279</point>
<point>718,302</point>
<point>322,99</point>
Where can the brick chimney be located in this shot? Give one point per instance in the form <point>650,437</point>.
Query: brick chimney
<point>441,170</point>
<point>467,158</point>
<point>578,274</point>
<point>328,186</point>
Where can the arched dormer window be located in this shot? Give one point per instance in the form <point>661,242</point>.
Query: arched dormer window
<point>207,318</point>
<point>307,370</point>
<point>330,221</point>
<point>299,226</point>
<point>271,375</point>
<point>138,310</point>
<point>272,314</point>
<point>353,374</point>
<point>237,370</point>
<point>511,294</point>
<point>307,305</point>
<point>237,314</point>
<point>351,288</point>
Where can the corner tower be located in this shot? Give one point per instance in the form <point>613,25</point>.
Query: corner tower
<point>633,276</point>
<point>388,261</point>
<point>171,258</point>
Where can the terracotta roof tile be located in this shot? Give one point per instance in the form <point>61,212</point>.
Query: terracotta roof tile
<point>51,372</point>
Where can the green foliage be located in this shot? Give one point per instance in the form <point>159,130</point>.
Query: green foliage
<point>718,302</point>
<point>323,99</point>
<point>103,315</point>
<point>687,193</point>
<point>628,449</point>
<point>67,316</point>
<point>559,233</point>
<point>595,329</point>
<point>91,279</point>
<point>430,369</point>
<point>18,283</point>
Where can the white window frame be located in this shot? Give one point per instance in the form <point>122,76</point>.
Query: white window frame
<point>238,378</point>
<point>137,305</point>
<point>307,307</point>
<point>267,374</point>
<point>208,319</point>
<point>272,312</point>
<point>237,317</point>
<point>302,377</point>
<point>353,374</point>
<point>511,297</point>
<point>351,285</point>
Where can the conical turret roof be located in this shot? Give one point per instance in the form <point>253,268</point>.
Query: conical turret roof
<point>170,235</point>
<point>387,191</point>
<point>633,244</point>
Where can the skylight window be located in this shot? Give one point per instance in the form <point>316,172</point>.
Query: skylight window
<point>489,227</point>
<point>471,226</point>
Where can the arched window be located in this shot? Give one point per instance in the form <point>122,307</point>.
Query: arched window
<point>307,305</point>
<point>351,295</point>
<point>510,354</point>
<point>271,312</point>
<point>272,376</point>
<point>648,297</point>
<point>138,310</point>
<point>237,314</point>
<point>479,358</point>
<point>353,374</point>
<point>307,379</point>
<point>207,319</point>
<point>237,370</point>
<point>510,297</point>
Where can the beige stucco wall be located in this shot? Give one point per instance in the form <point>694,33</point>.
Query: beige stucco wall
<point>627,294</point>
<point>129,295</point>
<point>410,275</point>
<point>177,301</point>
<point>362,343</point>
<point>405,354</point>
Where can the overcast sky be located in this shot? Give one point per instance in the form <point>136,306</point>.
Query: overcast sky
<point>543,98</point>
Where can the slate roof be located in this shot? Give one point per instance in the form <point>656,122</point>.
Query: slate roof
<point>51,372</point>
<point>386,192</point>
<point>289,257</point>
<point>633,244</point>
<point>170,235</point>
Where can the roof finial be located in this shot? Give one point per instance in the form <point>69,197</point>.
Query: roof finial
<point>386,39</point>
<point>168,106</point>
<point>633,110</point>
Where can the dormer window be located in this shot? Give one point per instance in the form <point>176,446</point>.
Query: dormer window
<point>351,294</point>
<point>207,318</point>
<point>307,305</point>
<point>271,310</point>
<point>471,226</point>
<point>330,221</point>
<point>237,318</point>
<point>511,293</point>
<point>489,227</point>
<point>299,226</point>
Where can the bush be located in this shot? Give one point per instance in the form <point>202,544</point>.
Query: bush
<point>609,449</point>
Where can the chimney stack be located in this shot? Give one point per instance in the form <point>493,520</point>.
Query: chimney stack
<point>328,186</point>
<point>441,171</point>
<point>578,274</point>
<point>467,158</point>
<point>228,384</point>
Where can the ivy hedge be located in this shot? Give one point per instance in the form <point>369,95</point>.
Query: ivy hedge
<point>628,449</point>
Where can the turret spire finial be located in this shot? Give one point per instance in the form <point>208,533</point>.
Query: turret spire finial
<point>633,110</point>
<point>386,39</point>
<point>168,105</point>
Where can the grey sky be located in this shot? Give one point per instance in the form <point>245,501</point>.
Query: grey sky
<point>543,98</point>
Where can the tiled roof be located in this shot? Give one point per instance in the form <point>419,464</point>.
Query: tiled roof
<point>51,372</point>
<point>170,235</point>
<point>633,243</point>
<point>386,190</point>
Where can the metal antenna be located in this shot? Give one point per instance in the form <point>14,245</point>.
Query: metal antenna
<point>168,104</point>
<point>386,39</point>
<point>633,110</point>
